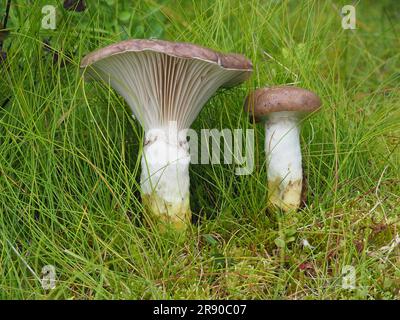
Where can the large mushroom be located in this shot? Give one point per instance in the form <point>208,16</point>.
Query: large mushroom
<point>166,84</point>
<point>282,108</point>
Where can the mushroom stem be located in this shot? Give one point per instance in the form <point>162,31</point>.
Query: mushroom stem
<point>282,147</point>
<point>166,84</point>
<point>165,176</point>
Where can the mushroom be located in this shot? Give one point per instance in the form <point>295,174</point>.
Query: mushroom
<point>166,84</point>
<point>282,108</point>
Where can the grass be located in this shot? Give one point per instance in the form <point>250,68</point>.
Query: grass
<point>70,158</point>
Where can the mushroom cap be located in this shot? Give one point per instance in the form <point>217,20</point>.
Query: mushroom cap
<point>165,81</point>
<point>183,50</point>
<point>264,101</point>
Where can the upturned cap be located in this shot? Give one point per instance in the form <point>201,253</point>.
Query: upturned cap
<point>231,61</point>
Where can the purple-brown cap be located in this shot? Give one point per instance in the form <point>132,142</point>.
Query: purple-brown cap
<point>165,81</point>
<point>263,101</point>
<point>183,50</point>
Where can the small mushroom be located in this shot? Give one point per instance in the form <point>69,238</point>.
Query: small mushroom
<point>282,108</point>
<point>166,84</point>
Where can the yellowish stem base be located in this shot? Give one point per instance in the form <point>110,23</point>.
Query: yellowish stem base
<point>167,215</point>
<point>284,196</point>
